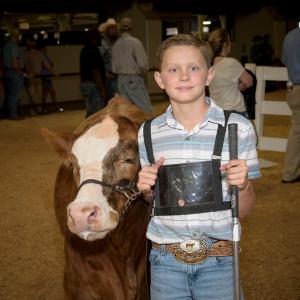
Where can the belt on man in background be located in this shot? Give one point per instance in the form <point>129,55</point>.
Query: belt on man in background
<point>195,251</point>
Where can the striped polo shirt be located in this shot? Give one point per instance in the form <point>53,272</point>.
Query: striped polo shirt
<point>171,141</point>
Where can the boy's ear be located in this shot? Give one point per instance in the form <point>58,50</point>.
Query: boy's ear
<point>158,80</point>
<point>210,75</point>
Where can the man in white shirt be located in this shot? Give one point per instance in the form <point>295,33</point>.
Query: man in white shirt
<point>130,63</point>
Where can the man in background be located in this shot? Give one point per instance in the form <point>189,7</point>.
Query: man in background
<point>255,50</point>
<point>92,73</point>
<point>130,63</point>
<point>13,75</point>
<point>291,58</point>
<point>33,66</point>
<point>110,33</point>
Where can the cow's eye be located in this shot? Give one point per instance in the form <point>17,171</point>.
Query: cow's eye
<point>129,161</point>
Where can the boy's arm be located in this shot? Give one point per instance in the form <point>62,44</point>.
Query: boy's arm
<point>246,199</point>
<point>237,174</point>
<point>147,178</point>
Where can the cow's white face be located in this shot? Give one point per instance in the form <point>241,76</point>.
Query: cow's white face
<point>90,216</point>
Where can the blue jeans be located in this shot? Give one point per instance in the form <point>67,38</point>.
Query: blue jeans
<point>92,98</point>
<point>171,279</point>
<point>111,87</point>
<point>13,88</point>
<point>133,88</point>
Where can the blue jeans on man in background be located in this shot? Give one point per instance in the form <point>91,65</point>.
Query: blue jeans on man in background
<point>13,88</point>
<point>133,88</point>
<point>92,98</point>
<point>111,87</point>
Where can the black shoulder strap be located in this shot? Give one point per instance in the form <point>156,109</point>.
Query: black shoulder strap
<point>218,143</point>
<point>221,135</point>
<point>148,141</point>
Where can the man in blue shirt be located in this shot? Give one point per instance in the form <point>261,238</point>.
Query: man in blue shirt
<point>130,63</point>
<point>13,75</point>
<point>291,58</point>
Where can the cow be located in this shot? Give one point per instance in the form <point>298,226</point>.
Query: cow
<point>102,217</point>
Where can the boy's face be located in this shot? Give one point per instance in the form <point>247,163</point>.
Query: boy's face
<point>184,74</point>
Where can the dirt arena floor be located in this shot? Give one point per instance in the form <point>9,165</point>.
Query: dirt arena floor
<point>31,247</point>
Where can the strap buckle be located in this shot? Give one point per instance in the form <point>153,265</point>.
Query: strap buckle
<point>216,156</point>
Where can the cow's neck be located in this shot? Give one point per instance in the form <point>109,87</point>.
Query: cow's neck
<point>130,232</point>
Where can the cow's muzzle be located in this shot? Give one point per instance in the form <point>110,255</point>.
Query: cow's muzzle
<point>125,187</point>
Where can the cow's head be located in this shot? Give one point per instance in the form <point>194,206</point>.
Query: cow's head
<point>103,153</point>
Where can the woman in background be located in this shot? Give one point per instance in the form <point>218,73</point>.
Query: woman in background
<point>230,76</point>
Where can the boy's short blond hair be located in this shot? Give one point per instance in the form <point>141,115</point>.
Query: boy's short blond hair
<point>184,40</point>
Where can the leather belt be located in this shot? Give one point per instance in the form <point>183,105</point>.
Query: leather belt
<point>196,251</point>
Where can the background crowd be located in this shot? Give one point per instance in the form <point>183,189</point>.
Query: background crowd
<point>113,61</point>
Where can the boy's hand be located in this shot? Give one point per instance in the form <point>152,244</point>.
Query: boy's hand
<point>147,177</point>
<point>237,173</point>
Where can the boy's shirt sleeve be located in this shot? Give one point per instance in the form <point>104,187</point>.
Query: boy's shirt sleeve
<point>248,151</point>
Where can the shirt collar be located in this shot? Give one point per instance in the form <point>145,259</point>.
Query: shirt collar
<point>125,33</point>
<point>215,115</point>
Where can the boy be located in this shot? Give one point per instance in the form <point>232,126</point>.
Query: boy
<point>191,224</point>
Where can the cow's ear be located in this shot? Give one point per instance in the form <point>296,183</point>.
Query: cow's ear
<point>121,106</point>
<point>60,142</point>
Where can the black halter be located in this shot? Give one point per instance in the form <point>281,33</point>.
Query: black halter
<point>128,190</point>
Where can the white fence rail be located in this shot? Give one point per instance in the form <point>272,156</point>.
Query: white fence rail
<point>269,107</point>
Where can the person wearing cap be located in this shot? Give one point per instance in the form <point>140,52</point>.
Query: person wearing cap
<point>130,63</point>
<point>109,32</point>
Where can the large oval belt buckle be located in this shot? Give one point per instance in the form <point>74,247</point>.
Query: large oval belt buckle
<point>192,251</point>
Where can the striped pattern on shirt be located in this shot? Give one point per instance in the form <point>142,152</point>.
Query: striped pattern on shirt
<point>171,141</point>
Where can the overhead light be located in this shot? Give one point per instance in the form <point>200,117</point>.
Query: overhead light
<point>172,31</point>
<point>205,29</point>
<point>206,22</point>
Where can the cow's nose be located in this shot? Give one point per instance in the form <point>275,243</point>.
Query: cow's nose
<point>83,217</point>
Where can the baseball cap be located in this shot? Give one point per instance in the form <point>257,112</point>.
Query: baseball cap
<point>126,23</point>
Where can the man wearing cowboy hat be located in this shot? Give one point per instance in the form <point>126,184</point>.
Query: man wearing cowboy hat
<point>109,32</point>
